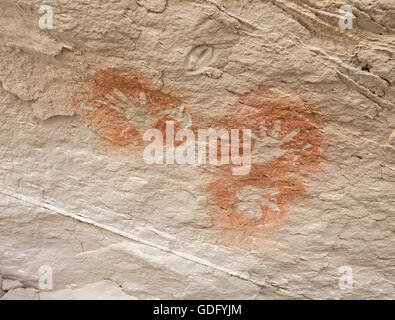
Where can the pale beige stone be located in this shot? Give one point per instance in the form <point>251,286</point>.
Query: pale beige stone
<point>109,225</point>
<point>11,284</point>
<point>21,294</point>
<point>103,290</point>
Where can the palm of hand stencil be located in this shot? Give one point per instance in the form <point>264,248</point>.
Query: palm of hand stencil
<point>251,201</point>
<point>268,146</point>
<point>136,112</point>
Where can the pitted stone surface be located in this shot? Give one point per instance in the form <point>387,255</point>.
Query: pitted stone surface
<point>80,207</point>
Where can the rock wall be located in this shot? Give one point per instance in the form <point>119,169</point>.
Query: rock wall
<point>91,209</point>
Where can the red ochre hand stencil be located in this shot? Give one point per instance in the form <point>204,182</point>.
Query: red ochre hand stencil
<point>286,142</point>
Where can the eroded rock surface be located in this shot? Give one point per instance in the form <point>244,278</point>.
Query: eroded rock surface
<point>84,216</point>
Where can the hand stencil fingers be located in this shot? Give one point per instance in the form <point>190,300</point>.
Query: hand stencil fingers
<point>290,136</point>
<point>276,129</point>
<point>121,96</point>
<point>263,129</point>
<point>143,99</point>
<point>252,200</point>
<point>115,104</point>
<point>87,107</point>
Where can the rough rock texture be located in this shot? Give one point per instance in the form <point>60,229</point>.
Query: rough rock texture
<point>11,284</point>
<point>77,197</point>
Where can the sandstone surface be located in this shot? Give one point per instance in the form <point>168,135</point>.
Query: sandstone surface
<point>84,216</point>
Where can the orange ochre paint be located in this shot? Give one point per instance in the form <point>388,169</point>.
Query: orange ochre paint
<point>103,101</point>
<point>105,116</point>
<point>282,174</point>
